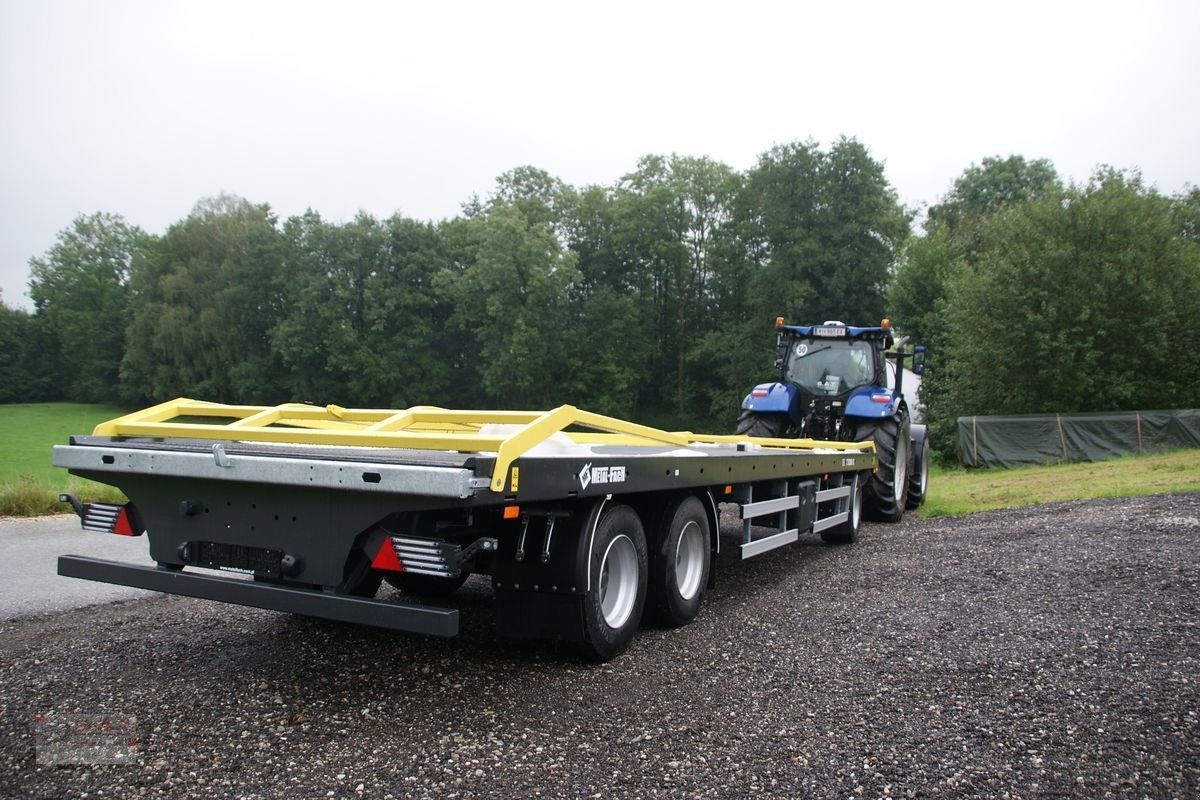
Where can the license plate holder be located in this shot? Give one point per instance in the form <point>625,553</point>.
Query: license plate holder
<point>262,561</point>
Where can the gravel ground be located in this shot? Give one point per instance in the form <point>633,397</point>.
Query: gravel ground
<point>1041,652</point>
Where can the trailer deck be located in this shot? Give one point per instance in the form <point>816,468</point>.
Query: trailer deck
<point>321,504</point>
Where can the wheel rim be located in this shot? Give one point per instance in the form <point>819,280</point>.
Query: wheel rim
<point>618,581</point>
<point>689,560</point>
<point>900,468</point>
<point>924,468</point>
<point>856,502</point>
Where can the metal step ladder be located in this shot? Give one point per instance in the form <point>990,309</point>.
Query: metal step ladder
<point>795,506</point>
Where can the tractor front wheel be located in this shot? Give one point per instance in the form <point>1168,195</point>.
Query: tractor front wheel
<point>886,491</point>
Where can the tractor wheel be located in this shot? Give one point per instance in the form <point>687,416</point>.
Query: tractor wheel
<point>918,476</point>
<point>768,426</point>
<point>887,489</point>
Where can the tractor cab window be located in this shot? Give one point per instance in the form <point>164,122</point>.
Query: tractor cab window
<point>831,367</point>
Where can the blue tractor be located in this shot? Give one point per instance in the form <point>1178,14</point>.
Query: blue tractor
<point>843,383</point>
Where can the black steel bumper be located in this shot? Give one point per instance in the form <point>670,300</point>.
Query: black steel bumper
<point>343,608</point>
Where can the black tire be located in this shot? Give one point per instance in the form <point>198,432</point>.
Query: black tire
<point>847,532</point>
<point>887,490</point>
<point>918,474</point>
<point>769,426</point>
<point>680,564</point>
<point>618,574</point>
<point>426,585</point>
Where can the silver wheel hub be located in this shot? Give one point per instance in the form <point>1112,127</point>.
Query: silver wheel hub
<point>618,581</point>
<point>689,560</point>
<point>900,469</point>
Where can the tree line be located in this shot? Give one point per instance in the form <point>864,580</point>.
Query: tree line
<point>650,299</point>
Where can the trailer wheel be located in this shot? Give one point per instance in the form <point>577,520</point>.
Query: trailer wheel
<point>847,532</point>
<point>679,568</point>
<point>769,426</point>
<point>918,476</point>
<point>616,595</point>
<point>426,585</point>
<point>887,489</point>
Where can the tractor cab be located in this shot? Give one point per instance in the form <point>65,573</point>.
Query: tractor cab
<point>825,365</point>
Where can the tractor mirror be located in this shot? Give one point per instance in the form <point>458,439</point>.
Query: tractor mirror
<point>918,360</point>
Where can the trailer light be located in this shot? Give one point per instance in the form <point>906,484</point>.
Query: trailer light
<point>122,526</point>
<point>107,517</point>
<point>385,557</point>
<point>512,512</point>
<point>728,490</point>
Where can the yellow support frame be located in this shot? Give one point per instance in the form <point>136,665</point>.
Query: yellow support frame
<point>420,427</point>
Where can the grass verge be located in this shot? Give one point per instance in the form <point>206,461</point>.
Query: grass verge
<point>953,492</point>
<point>28,498</point>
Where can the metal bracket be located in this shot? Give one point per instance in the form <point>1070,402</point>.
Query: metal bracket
<point>221,458</point>
<point>546,543</point>
<point>520,554</point>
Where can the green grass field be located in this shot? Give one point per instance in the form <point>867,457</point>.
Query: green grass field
<point>30,486</point>
<point>960,491</point>
<point>32,429</point>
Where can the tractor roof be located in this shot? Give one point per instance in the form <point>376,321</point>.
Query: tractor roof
<point>836,330</point>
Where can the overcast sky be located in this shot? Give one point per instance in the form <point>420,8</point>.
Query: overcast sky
<point>144,108</point>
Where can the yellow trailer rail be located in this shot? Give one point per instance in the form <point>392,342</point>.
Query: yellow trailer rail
<point>508,434</point>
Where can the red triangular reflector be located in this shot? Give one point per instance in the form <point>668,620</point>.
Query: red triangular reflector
<point>386,559</point>
<point>122,525</point>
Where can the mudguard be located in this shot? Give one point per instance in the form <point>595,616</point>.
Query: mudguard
<point>865,403</point>
<point>771,398</point>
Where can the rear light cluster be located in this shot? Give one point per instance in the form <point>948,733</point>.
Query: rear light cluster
<point>420,556</point>
<point>109,518</point>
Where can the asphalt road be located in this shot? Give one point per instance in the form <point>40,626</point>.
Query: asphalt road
<point>29,550</point>
<point>1041,652</point>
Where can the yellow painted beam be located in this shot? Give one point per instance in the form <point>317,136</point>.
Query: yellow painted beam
<point>420,427</point>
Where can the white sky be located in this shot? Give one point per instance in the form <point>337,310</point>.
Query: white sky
<point>144,108</point>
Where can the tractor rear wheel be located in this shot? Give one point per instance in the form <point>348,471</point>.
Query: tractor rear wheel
<point>768,426</point>
<point>887,489</point>
<point>918,476</point>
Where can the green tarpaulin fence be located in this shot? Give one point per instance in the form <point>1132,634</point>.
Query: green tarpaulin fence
<point>1060,438</point>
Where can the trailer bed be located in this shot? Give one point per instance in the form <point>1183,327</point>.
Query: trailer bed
<point>321,505</point>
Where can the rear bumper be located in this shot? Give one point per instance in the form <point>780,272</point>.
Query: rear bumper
<point>342,608</point>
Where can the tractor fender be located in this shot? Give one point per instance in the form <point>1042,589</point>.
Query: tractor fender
<point>864,403</point>
<point>771,398</point>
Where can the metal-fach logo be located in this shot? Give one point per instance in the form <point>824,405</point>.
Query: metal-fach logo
<point>599,475</point>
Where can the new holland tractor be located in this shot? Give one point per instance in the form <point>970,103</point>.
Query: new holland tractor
<point>843,383</point>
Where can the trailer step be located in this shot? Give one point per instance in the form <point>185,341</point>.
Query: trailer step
<point>342,608</point>
<point>769,543</point>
